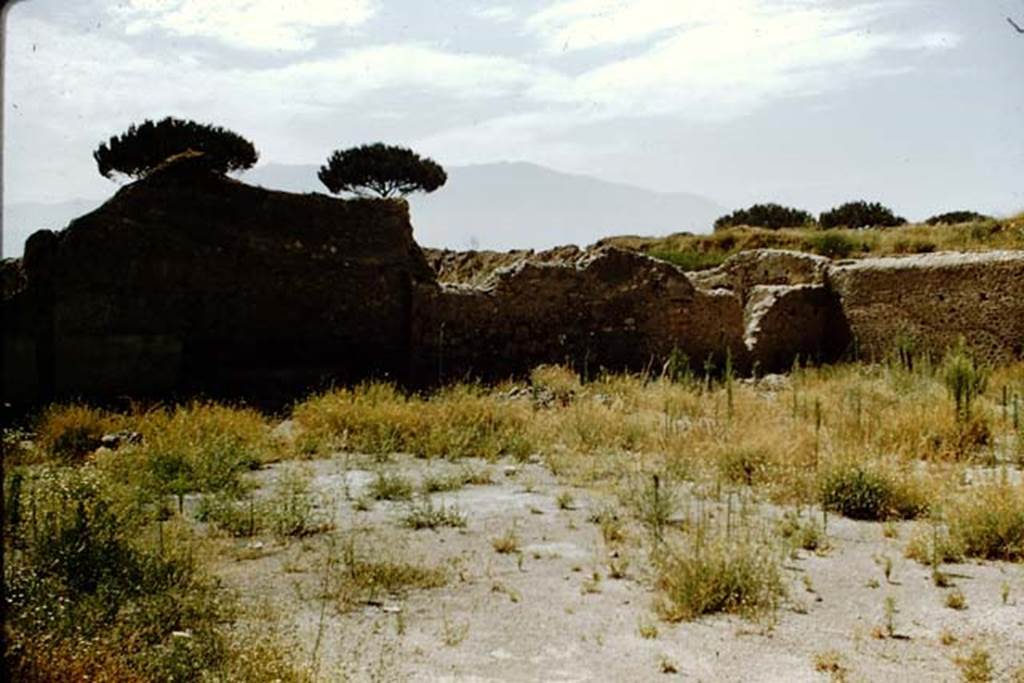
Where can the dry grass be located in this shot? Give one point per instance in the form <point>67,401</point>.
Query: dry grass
<point>67,433</point>
<point>833,435</point>
<point>507,543</point>
<point>460,421</point>
<point>987,521</point>
<point>737,575</point>
<point>369,570</point>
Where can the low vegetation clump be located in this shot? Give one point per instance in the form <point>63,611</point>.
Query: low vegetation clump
<point>802,532</point>
<point>745,465</point>
<point>864,493</point>
<point>292,508</point>
<point>975,666</point>
<point>438,483</point>
<point>736,576</point>
<point>426,515</point>
<point>834,245</point>
<point>391,486</point>
<point>195,448</point>
<point>932,544</point>
<point>361,573</point>
<point>691,259</point>
<point>68,433</point>
<point>769,216</point>
<point>506,543</point>
<point>987,522</point>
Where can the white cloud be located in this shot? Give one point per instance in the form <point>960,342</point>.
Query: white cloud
<point>717,62</point>
<point>502,14</point>
<point>940,40</point>
<point>249,24</point>
<point>580,24</point>
<point>404,65</point>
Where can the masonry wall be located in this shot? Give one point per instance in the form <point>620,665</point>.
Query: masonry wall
<point>200,283</point>
<point>189,282</point>
<point>931,301</point>
<point>614,310</point>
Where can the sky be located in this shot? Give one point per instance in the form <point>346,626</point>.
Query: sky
<point>914,103</point>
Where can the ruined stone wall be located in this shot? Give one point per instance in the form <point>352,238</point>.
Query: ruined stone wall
<point>188,281</point>
<point>203,283</point>
<point>932,300</point>
<point>614,309</point>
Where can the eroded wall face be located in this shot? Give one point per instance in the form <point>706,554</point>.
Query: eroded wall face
<point>211,285</point>
<point>931,301</point>
<point>615,310</point>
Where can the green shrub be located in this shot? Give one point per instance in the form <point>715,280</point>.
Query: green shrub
<point>860,214</point>
<point>93,596</point>
<point>861,493</point>
<point>426,515</point>
<point>201,447</point>
<point>802,533</point>
<point>965,380</point>
<point>913,246</point>
<point>957,217</point>
<point>292,509</point>
<point>770,216</point>
<point>691,260</point>
<point>831,244</point>
<point>362,574</point>
<point>391,486</point>
<point>234,515</point>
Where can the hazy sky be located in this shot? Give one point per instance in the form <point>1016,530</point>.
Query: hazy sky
<point>916,103</point>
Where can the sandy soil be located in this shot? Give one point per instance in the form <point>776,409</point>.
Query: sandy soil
<point>553,612</point>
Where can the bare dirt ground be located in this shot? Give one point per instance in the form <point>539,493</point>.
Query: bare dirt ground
<point>553,610</point>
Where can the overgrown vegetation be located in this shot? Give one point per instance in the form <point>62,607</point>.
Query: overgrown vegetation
<point>67,433</point>
<point>99,593</point>
<point>103,541</point>
<point>698,252</point>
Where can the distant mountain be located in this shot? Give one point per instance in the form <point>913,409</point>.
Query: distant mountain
<point>489,206</point>
<point>522,205</point>
<point>24,218</point>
